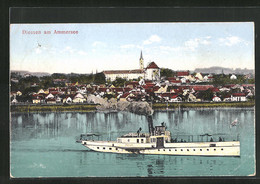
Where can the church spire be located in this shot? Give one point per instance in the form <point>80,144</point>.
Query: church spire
<point>141,60</point>
<point>141,56</point>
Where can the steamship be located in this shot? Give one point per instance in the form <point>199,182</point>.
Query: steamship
<point>158,141</point>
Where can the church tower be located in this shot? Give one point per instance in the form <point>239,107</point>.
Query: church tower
<point>141,60</point>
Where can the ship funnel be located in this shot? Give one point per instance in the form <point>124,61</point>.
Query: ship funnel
<point>150,125</point>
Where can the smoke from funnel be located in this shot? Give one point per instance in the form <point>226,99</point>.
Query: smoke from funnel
<point>135,107</point>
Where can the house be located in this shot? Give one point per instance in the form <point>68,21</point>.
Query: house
<point>201,87</point>
<point>51,101</point>
<point>36,100</point>
<point>216,99</point>
<point>162,89</point>
<point>192,98</point>
<point>12,93</point>
<point>152,71</point>
<point>199,76</point>
<point>183,73</point>
<point>175,82</point>
<point>183,80</point>
<point>233,77</point>
<point>19,93</point>
<point>123,97</point>
<point>238,97</point>
<point>67,99</point>
<point>79,98</point>
<point>40,91</point>
<point>227,98</point>
<point>58,99</point>
<point>224,89</point>
<point>14,101</point>
<point>175,98</point>
<point>50,96</point>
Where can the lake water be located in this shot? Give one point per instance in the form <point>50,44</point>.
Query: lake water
<point>43,144</point>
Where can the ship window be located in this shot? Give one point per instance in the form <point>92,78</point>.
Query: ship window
<point>104,148</point>
<point>142,140</point>
<point>97,147</point>
<point>169,149</point>
<point>194,150</point>
<point>214,149</point>
<point>175,149</point>
<point>207,149</point>
<point>163,149</point>
<point>200,149</point>
<point>188,150</point>
<point>128,140</point>
<point>212,145</point>
<point>110,148</point>
<point>84,142</point>
<point>158,149</point>
<point>137,140</point>
<point>181,150</point>
<point>116,148</point>
<point>222,149</point>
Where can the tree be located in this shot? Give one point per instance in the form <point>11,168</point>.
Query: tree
<point>119,82</point>
<point>206,95</point>
<point>166,72</point>
<point>100,78</point>
<point>59,76</point>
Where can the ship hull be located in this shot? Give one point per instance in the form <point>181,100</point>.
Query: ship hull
<point>231,148</point>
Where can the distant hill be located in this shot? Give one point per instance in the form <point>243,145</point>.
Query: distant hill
<point>219,70</point>
<point>23,72</point>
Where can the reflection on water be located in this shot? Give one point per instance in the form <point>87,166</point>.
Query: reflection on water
<point>43,144</point>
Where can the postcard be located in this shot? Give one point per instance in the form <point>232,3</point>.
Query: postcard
<point>132,99</point>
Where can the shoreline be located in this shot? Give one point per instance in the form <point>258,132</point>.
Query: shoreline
<point>156,107</point>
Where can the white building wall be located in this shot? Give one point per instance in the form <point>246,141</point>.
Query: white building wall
<point>149,74</point>
<point>127,76</point>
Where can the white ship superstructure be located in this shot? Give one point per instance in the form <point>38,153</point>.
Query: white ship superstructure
<point>159,141</point>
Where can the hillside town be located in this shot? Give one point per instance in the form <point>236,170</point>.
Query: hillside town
<point>150,83</point>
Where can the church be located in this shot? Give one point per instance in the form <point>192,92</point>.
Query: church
<point>151,72</point>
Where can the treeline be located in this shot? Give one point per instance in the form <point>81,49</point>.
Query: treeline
<point>26,84</point>
<point>218,79</point>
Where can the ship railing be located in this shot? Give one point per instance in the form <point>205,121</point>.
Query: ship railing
<point>205,138</point>
<point>88,136</point>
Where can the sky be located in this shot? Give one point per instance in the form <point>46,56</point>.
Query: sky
<point>117,46</point>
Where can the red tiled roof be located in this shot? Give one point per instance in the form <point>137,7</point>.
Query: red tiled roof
<point>174,96</point>
<point>122,71</point>
<point>152,65</point>
<point>214,89</point>
<point>53,89</point>
<point>184,73</point>
<point>229,85</point>
<point>167,94</point>
<point>239,94</point>
<point>175,81</point>
<point>148,81</point>
<point>124,95</point>
<point>102,89</point>
<point>171,78</point>
<point>201,87</point>
<point>118,89</point>
<point>148,86</point>
<point>155,88</point>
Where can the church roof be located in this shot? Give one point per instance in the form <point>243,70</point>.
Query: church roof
<point>152,65</point>
<point>122,71</point>
<point>141,56</point>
